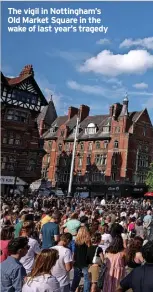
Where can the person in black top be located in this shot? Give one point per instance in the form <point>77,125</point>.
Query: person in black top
<point>82,242</point>
<point>95,251</point>
<point>141,278</point>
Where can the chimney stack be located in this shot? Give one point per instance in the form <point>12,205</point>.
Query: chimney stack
<point>72,111</point>
<point>84,112</point>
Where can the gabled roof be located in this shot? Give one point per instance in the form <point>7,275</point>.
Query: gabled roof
<point>48,114</point>
<point>57,123</point>
<point>26,73</point>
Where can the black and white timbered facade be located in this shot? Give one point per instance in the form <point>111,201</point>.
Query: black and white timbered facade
<point>21,147</point>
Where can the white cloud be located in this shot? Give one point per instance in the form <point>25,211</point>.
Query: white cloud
<point>145,43</point>
<point>109,64</point>
<point>97,90</point>
<point>103,42</point>
<point>113,80</point>
<point>71,56</point>
<point>140,85</point>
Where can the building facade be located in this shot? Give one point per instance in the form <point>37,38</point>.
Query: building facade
<point>21,120</point>
<point>113,151</point>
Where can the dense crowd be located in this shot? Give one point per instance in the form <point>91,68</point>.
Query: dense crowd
<point>51,244</point>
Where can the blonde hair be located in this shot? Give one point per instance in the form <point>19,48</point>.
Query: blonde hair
<point>43,264</point>
<point>83,236</point>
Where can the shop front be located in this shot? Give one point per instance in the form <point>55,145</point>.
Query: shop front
<point>138,191</point>
<point>9,183</point>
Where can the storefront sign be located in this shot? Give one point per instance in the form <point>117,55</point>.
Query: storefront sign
<point>113,189</point>
<point>9,180</point>
<point>138,190</point>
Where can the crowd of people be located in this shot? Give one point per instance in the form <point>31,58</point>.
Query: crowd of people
<point>51,244</point>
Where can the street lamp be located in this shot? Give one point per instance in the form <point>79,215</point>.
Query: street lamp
<point>73,157</point>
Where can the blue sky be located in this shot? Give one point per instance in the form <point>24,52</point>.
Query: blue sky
<point>83,68</point>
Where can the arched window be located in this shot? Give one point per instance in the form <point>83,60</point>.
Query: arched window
<point>116,144</point>
<point>91,129</point>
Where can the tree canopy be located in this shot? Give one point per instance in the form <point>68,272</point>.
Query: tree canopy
<point>149,178</point>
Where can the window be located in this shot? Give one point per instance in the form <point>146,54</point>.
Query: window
<point>31,165</point>
<point>90,146</point>
<point>62,133</point>
<point>50,145</point>
<point>114,160</point>
<point>88,159</point>
<point>5,137</point>
<point>100,159</point>
<point>115,144</point>
<point>59,147</point>
<point>106,129</point>
<point>91,129</point>
<point>80,160</point>
<point>4,160</point>
<point>105,144</point>
<point>67,147</point>
<point>11,138</point>
<point>114,176</point>
<point>117,129</point>
<point>17,139</point>
<point>16,115</point>
<point>97,145</point>
<point>10,115</point>
<point>48,158</point>
<point>144,130</point>
<point>81,146</point>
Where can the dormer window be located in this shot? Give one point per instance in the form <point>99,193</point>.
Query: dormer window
<point>106,129</point>
<point>53,129</point>
<point>115,144</point>
<point>91,129</point>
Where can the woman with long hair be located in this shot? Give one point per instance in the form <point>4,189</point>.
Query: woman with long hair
<point>40,278</point>
<point>28,260</point>
<point>115,264</point>
<point>134,256</point>
<point>7,233</point>
<point>82,242</point>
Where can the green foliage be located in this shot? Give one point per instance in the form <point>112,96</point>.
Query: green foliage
<point>149,178</point>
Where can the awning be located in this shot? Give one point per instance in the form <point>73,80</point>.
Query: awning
<point>40,184</point>
<point>149,194</point>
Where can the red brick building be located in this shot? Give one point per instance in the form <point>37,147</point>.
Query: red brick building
<point>21,122</point>
<point>113,151</point>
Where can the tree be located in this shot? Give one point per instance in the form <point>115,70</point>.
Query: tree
<point>149,178</point>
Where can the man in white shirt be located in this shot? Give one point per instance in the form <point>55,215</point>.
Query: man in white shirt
<point>103,202</point>
<point>64,264</point>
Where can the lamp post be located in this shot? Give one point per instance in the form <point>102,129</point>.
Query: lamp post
<point>73,157</point>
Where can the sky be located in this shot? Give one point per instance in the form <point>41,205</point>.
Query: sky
<point>96,69</point>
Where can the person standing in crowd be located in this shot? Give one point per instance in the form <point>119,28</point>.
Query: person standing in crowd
<point>134,253</point>
<point>28,260</point>
<point>18,226</point>
<point>106,238</point>
<point>72,225</point>
<point>82,242</point>
<point>7,233</point>
<point>141,278</point>
<point>40,279</point>
<point>147,222</point>
<point>64,264</point>
<point>12,271</point>
<point>94,252</point>
<point>50,232</point>
<point>115,264</point>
